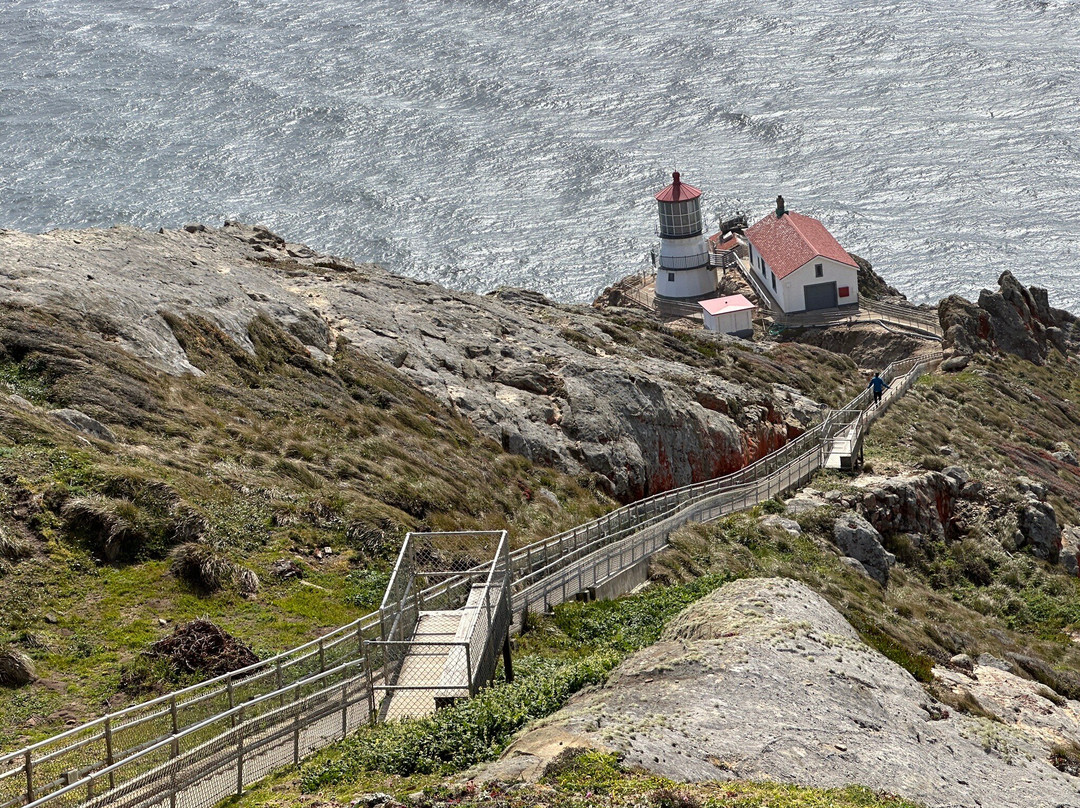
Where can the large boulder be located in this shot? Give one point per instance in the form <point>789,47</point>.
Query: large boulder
<point>1037,528</point>
<point>858,539</point>
<point>1069,557</point>
<point>16,668</point>
<point>922,504</point>
<point>763,679</point>
<point>81,422</point>
<point>1038,531</point>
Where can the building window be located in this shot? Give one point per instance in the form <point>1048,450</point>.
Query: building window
<point>818,270</point>
<point>844,291</point>
<point>671,277</point>
<point>774,281</point>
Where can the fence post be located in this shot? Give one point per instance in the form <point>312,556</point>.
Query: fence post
<point>468,670</point>
<point>175,726</point>
<point>296,725</point>
<point>345,709</point>
<point>370,689</point>
<point>109,759</point>
<point>322,655</point>
<point>29,766</point>
<point>240,754</point>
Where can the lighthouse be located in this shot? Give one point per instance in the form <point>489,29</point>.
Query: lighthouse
<point>683,269</point>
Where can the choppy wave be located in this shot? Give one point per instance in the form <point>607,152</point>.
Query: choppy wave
<point>481,143</point>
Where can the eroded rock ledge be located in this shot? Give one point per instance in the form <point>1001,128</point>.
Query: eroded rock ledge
<point>763,679</point>
<point>562,385</point>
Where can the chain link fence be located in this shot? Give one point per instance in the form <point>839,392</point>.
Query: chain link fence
<point>197,746</point>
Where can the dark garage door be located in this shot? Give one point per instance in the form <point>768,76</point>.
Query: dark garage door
<point>820,296</point>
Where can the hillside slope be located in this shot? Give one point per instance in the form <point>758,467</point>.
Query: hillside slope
<point>216,423</point>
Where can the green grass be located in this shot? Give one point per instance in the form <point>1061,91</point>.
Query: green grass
<point>578,646</point>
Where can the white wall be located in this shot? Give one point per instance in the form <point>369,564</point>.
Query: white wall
<point>789,291</point>
<point>730,323</point>
<point>680,252</point>
<point>766,277</point>
<point>843,275</point>
<point>685,282</point>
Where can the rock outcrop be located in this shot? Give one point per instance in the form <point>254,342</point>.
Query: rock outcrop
<point>1036,521</point>
<point>563,385</point>
<point>763,679</point>
<point>858,539</point>
<point>922,504</point>
<point>16,668</point>
<point>871,285</point>
<point>1014,320</point>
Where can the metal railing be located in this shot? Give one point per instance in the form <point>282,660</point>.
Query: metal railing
<point>910,319</point>
<point>418,675</point>
<point>675,262</point>
<point>200,744</point>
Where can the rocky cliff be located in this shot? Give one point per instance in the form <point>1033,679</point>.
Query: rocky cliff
<point>565,386</point>
<point>1013,320</point>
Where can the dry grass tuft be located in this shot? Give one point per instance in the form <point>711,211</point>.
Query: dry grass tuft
<point>203,568</point>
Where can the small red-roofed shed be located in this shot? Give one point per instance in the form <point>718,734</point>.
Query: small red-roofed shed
<point>800,263</point>
<point>733,314</point>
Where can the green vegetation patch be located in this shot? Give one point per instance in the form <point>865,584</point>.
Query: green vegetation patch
<point>559,656</point>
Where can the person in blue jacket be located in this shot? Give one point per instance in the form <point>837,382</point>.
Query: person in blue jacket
<point>878,385</point>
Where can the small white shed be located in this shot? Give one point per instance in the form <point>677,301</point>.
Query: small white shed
<point>733,314</point>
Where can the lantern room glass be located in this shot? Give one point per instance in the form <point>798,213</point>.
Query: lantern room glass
<point>680,219</point>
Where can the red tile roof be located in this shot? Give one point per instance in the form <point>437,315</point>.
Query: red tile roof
<point>730,244</point>
<point>725,305</point>
<point>678,191</point>
<point>794,240</point>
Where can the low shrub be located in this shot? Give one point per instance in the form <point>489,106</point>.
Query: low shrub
<point>595,637</point>
<point>916,663</point>
<point>466,733</point>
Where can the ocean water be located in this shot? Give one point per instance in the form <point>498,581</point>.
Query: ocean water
<point>488,142</point>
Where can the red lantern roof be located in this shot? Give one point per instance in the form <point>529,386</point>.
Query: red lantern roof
<point>678,191</point>
<point>792,241</point>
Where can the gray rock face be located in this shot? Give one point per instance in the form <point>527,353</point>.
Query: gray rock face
<point>16,668</point>
<point>1013,320</point>
<point>81,422</point>
<point>913,504</point>
<point>1063,453</point>
<point>763,679</point>
<point>1069,556</point>
<point>858,539</point>
<point>544,380</point>
<point>777,521</point>
<point>954,364</point>
<point>1032,489</point>
<point>1039,531</point>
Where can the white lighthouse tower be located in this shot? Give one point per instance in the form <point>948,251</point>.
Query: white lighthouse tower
<point>683,269</point>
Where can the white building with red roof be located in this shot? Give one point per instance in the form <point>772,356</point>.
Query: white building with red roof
<point>800,263</point>
<point>684,269</point>
<point>733,314</point>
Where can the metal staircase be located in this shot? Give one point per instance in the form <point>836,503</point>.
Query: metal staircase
<point>439,646</point>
